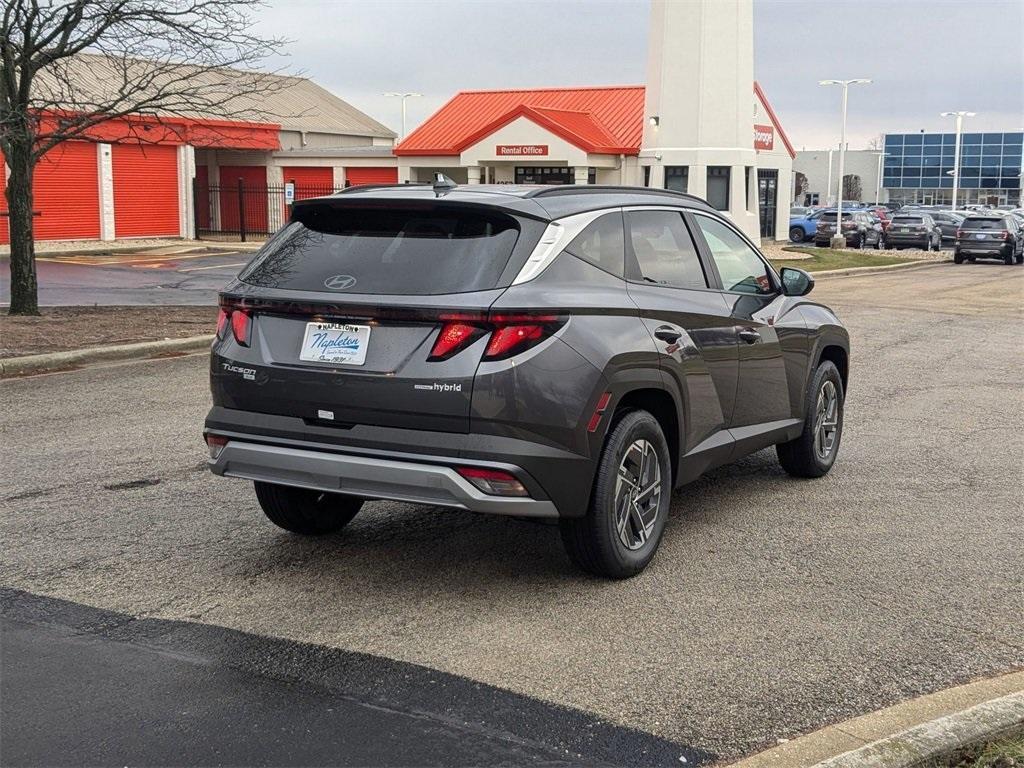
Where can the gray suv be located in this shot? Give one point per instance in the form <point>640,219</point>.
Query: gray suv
<point>570,353</point>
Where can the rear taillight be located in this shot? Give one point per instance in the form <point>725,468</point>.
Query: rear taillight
<point>510,334</point>
<point>495,482</point>
<point>454,337</point>
<point>848,225</point>
<point>1005,234</point>
<point>959,233</point>
<point>238,318</point>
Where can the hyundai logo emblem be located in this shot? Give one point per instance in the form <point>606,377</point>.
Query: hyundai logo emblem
<point>340,282</point>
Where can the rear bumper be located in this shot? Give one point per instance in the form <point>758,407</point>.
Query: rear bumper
<point>982,248</point>
<point>554,475</point>
<point>900,238</point>
<point>373,478</point>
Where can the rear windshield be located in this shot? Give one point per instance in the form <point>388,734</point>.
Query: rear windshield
<point>386,251</point>
<point>832,216</point>
<point>972,223</point>
<point>907,220</point>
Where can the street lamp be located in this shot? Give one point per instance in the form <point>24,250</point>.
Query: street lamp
<point>839,241</point>
<point>878,178</point>
<point>956,154</point>
<point>403,97</point>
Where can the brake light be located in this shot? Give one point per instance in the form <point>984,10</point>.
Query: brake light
<point>510,334</point>
<point>241,325</point>
<point>959,233</point>
<point>495,482</point>
<point>216,444</point>
<point>848,225</point>
<point>1005,234</point>
<point>240,320</point>
<point>454,337</point>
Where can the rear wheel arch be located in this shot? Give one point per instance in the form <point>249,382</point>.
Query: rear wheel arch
<point>664,408</point>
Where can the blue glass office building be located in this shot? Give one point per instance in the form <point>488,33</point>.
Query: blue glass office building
<point>917,165</point>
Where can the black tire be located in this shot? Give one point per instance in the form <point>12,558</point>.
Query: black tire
<point>593,541</point>
<point>1020,258</point>
<point>799,457</point>
<point>860,241</point>
<point>305,511</point>
<point>797,235</point>
<point>958,258</point>
<point>938,245</point>
<point>1008,259</point>
<point>887,245</point>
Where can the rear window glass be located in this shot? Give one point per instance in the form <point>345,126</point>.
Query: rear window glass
<point>971,223</point>
<point>832,216</point>
<point>392,251</point>
<point>907,220</point>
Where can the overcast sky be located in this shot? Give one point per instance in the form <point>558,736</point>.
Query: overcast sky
<point>925,56</point>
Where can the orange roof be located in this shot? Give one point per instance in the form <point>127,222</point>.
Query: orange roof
<point>604,119</point>
<point>601,120</point>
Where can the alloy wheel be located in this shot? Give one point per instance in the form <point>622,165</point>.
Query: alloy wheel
<point>637,494</point>
<point>826,420</point>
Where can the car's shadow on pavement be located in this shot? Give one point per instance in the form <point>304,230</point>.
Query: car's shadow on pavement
<point>412,545</point>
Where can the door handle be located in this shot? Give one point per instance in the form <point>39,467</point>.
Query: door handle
<point>750,336</point>
<point>668,334</point>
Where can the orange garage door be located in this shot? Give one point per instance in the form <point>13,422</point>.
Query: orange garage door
<point>66,194</point>
<point>355,176</point>
<point>145,190</point>
<point>310,182</point>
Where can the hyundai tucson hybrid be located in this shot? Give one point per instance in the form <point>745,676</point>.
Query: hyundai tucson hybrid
<point>568,353</point>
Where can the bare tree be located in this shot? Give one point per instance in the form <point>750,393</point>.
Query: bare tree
<point>68,67</point>
<point>876,142</point>
<point>800,185</point>
<point>852,189</point>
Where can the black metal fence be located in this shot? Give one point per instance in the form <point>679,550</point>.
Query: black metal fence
<point>246,211</point>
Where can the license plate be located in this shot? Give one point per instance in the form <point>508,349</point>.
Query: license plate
<point>980,237</point>
<point>335,343</point>
<point>902,229</point>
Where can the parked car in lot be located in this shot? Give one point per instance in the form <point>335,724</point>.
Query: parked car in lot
<point>803,227</point>
<point>857,227</point>
<point>989,236</point>
<point>948,223</point>
<point>916,229</point>
<point>882,214</point>
<point>548,352</point>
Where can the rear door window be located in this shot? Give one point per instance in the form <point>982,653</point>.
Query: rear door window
<point>386,251</point>
<point>664,249</point>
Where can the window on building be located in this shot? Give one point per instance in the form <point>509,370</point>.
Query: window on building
<point>647,175</point>
<point>601,243</point>
<point>740,267</point>
<point>677,177</point>
<point>664,250</point>
<point>747,175</point>
<point>718,187</point>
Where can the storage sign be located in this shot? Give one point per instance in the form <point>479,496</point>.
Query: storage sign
<point>521,150</point>
<point>764,137</point>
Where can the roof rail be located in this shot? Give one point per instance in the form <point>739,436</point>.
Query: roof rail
<point>365,187</point>
<point>593,189</point>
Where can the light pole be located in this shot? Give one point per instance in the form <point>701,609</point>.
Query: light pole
<point>403,97</point>
<point>956,153</point>
<point>839,240</point>
<point>878,178</point>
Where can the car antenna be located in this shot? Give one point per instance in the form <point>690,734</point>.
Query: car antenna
<point>443,185</point>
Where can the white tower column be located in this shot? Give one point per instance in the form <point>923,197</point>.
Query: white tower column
<point>699,108</point>
<point>105,165</point>
<point>580,174</point>
<point>473,174</point>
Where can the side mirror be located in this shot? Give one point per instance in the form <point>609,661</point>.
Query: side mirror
<point>796,282</point>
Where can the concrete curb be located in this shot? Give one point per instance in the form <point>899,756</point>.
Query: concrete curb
<point>909,733</point>
<point>939,737</point>
<point>21,366</point>
<point>856,271</point>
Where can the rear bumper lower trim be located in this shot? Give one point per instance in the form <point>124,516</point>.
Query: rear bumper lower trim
<point>368,477</point>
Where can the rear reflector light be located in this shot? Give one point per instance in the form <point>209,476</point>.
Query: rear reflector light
<point>216,444</point>
<point>602,406</point>
<point>493,481</point>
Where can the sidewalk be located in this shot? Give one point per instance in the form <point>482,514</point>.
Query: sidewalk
<point>150,247</point>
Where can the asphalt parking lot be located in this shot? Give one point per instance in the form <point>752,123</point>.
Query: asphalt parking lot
<point>774,606</point>
<point>169,275</point>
